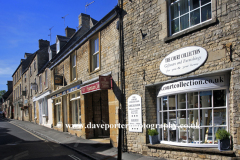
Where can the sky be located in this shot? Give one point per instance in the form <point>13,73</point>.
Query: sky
<point>24,22</point>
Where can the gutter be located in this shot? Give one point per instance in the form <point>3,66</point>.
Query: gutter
<point>84,39</point>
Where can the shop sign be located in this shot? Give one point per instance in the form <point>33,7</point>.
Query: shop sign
<point>105,82</point>
<point>67,91</point>
<point>191,85</point>
<point>34,86</point>
<point>184,60</point>
<point>90,88</point>
<point>58,80</point>
<point>135,113</point>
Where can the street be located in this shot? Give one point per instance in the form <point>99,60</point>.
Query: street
<point>18,143</point>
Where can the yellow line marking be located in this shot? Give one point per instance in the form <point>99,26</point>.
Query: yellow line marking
<point>30,132</point>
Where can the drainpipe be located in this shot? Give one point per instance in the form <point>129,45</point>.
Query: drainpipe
<point>122,81</point>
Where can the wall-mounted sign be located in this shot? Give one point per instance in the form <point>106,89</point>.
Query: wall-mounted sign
<point>191,85</point>
<point>25,101</point>
<point>183,61</point>
<point>105,82</point>
<point>58,80</point>
<point>135,113</point>
<point>72,89</point>
<point>90,88</point>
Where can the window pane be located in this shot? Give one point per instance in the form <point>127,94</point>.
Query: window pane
<point>172,102</point>
<point>206,135</point>
<point>175,26</point>
<point>206,99</point>
<point>219,97</point>
<point>220,116</point>
<point>172,127</point>
<point>95,61</point>
<point>184,22</point>
<point>194,4</point>
<point>174,11</point>
<point>195,17</point>
<point>76,111</point>
<point>79,111</point>
<point>206,117</point>
<point>193,100</point>
<point>205,1</point>
<point>183,6</point>
<point>215,130</point>
<point>96,45</point>
<point>206,12</point>
<point>74,73</point>
<point>182,101</point>
<point>165,129</point>
<point>165,103</point>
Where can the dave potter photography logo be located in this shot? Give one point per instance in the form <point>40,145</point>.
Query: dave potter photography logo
<point>147,126</point>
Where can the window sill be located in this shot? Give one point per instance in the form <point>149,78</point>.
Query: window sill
<point>214,151</point>
<point>96,70</point>
<point>190,30</point>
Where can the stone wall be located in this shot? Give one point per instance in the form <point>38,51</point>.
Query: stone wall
<point>144,53</point>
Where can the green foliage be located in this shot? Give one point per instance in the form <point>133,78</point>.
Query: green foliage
<point>2,92</point>
<point>222,134</point>
<point>152,132</point>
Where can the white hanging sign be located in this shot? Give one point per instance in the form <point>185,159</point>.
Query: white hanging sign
<point>135,113</point>
<point>184,60</point>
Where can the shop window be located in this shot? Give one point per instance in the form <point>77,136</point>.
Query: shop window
<point>73,66</point>
<point>192,118</point>
<point>58,110</point>
<point>184,14</point>
<point>76,108</point>
<point>94,53</point>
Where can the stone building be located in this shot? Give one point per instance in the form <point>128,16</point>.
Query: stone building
<point>182,59</point>
<point>7,97</point>
<point>36,110</point>
<point>79,100</point>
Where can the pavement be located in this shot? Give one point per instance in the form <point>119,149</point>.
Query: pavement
<point>95,150</point>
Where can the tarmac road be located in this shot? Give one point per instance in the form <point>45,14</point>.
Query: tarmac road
<point>17,143</point>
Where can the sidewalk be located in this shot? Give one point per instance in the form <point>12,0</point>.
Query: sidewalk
<point>92,149</point>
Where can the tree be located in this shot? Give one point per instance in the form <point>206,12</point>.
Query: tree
<point>2,92</point>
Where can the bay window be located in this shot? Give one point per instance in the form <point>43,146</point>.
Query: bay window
<point>187,13</point>
<point>192,119</point>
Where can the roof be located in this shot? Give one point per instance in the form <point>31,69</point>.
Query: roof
<point>63,38</point>
<point>76,41</point>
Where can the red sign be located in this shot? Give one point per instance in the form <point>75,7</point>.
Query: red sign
<point>90,88</point>
<point>105,82</point>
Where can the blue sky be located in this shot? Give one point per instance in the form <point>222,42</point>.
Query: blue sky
<point>24,22</point>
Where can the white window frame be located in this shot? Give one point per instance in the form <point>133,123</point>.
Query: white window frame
<point>160,118</point>
<point>58,111</point>
<point>95,46</point>
<point>50,53</point>
<point>58,46</point>
<point>189,11</point>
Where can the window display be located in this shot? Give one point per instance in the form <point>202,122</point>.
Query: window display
<point>187,117</point>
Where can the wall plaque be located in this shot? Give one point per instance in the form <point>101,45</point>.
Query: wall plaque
<point>184,60</point>
<point>135,113</point>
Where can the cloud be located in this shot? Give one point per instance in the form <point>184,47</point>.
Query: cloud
<point>7,68</point>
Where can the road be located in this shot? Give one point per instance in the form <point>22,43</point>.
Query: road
<point>17,143</point>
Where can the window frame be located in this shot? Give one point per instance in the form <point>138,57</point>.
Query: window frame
<point>75,102</point>
<point>40,83</point>
<point>93,68</point>
<point>46,78</point>
<point>72,58</point>
<point>160,112</point>
<point>58,46</point>
<point>57,107</point>
<point>169,4</point>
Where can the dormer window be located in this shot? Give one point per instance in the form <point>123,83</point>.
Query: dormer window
<point>50,53</point>
<point>58,46</point>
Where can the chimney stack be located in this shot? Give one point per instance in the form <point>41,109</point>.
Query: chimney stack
<point>10,85</point>
<point>69,32</point>
<point>84,20</point>
<point>43,43</point>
